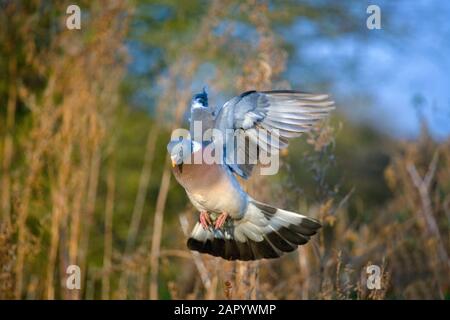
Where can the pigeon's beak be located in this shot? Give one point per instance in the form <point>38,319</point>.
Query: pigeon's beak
<point>174,162</point>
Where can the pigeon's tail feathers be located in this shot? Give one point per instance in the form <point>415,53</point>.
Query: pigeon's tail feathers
<point>264,232</point>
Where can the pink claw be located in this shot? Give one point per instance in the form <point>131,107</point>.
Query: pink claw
<point>205,220</point>
<point>221,220</point>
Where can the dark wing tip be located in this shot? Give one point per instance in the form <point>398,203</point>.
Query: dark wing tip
<point>246,93</point>
<point>311,223</point>
<point>231,249</point>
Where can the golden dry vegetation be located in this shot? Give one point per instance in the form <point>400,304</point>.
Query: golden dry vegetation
<point>85,179</point>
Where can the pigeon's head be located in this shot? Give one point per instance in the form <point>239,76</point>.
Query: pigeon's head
<point>200,100</point>
<point>180,150</point>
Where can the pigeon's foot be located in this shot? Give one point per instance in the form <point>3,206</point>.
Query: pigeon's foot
<point>221,220</point>
<point>205,220</point>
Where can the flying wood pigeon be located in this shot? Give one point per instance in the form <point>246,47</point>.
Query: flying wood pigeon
<point>232,224</point>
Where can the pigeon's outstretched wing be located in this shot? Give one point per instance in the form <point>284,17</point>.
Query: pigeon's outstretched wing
<point>281,114</point>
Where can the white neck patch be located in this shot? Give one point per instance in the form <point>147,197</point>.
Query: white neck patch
<point>197,105</point>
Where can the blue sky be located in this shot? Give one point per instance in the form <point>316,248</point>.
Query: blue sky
<point>374,75</point>
<point>390,68</point>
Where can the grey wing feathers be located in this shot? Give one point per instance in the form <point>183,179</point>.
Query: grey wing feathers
<point>282,114</point>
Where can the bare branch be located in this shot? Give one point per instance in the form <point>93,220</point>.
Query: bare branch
<point>204,274</point>
<point>423,187</point>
